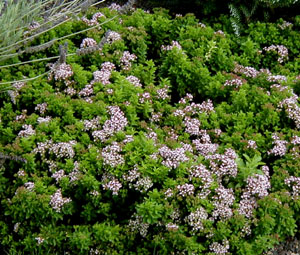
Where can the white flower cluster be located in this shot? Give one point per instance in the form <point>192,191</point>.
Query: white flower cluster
<point>280,146</point>
<point>17,86</point>
<point>135,180</point>
<point>285,25</point>
<point>139,225</point>
<point>204,145</point>
<point>163,93</point>
<point>91,124</point>
<point>173,45</point>
<point>225,164</point>
<point>293,182</point>
<point>61,150</point>
<point>246,70</point>
<point>192,126</point>
<point>29,186</point>
<point>195,219</point>
<point>74,175</point>
<point>111,156</point>
<point>257,184</point>
<point>134,80</point>
<point>143,184</point>
<point>22,116</point>
<point>88,42</point>
<point>251,144</point>
<point>115,7</point>
<point>277,78</point>
<point>44,120</point>
<point>172,226</point>
<point>218,248</point>
<point>295,140</point>
<point>111,183</point>
<point>41,108</point>
<point>113,36</point>
<point>58,175</point>
<point>155,117</point>
<point>220,33</point>
<point>234,83</point>
<point>281,50</point>
<point>116,123</point>
<point>57,201</point>
<point>61,72</point>
<point>172,158</point>
<point>292,108</point>
<point>126,60</point>
<point>28,131</point>
<point>186,190</point>
<point>86,91</point>
<point>224,199</point>
<point>40,240</point>
<point>94,20</point>
<point>104,74</point>
<point>246,206</point>
<point>144,97</point>
<point>200,171</point>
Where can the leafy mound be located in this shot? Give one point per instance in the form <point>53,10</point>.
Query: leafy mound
<point>173,137</point>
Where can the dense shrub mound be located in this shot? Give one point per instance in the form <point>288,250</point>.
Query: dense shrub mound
<point>173,137</point>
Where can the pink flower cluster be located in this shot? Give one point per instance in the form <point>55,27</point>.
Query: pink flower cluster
<point>116,123</point>
<point>246,70</point>
<point>134,80</point>
<point>111,183</point>
<point>293,182</point>
<point>88,42</point>
<point>234,83</point>
<point>280,146</point>
<point>251,144</point>
<point>218,248</point>
<point>257,186</point>
<point>195,219</point>
<point>41,108</point>
<point>173,45</point>
<point>185,190</point>
<point>204,145</point>
<point>113,37</point>
<point>61,150</point>
<point>292,108</point>
<point>94,20</point>
<point>172,158</point>
<point>28,131</point>
<point>126,60</point>
<point>201,172</point>
<point>281,50</point>
<point>163,93</point>
<point>137,224</point>
<point>192,126</point>
<point>285,25</point>
<point>57,201</point>
<point>104,74</point>
<point>91,124</point>
<point>277,78</point>
<point>111,156</point>
<point>220,33</point>
<point>224,199</point>
<point>61,72</point>
<point>225,164</point>
<point>17,86</point>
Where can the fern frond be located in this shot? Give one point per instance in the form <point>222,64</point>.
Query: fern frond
<point>236,26</point>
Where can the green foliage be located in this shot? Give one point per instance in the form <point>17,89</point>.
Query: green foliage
<point>158,155</point>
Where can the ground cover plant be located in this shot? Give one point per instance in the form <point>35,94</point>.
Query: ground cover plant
<point>151,134</point>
